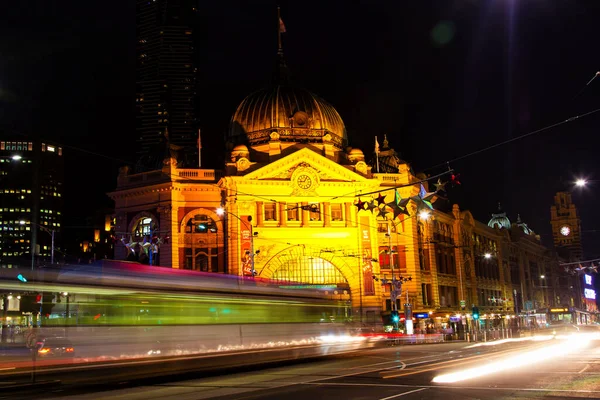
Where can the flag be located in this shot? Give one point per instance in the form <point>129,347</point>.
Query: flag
<point>376,146</point>
<point>281,26</point>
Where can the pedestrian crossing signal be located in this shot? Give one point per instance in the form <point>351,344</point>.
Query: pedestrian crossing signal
<point>475,313</point>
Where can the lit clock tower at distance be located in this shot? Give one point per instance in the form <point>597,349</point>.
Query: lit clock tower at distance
<point>566,226</point>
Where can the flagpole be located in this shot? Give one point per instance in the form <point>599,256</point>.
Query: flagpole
<point>279,48</point>
<point>377,153</point>
<point>199,150</point>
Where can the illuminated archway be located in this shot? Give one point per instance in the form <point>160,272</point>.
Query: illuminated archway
<point>299,264</point>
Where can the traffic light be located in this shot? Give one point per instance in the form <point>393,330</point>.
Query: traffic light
<point>475,312</point>
<point>38,298</point>
<point>21,278</point>
<point>395,317</point>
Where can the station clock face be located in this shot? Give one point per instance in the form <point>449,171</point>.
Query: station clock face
<point>304,182</point>
<point>565,230</point>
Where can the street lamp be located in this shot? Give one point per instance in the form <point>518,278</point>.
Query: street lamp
<point>583,182</point>
<point>45,229</point>
<point>424,215</point>
<point>487,256</point>
<point>248,224</point>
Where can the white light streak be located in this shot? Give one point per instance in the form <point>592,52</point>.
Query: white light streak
<point>572,344</point>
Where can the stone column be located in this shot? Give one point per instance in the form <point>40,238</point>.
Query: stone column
<point>327,214</point>
<point>282,214</point>
<point>305,213</point>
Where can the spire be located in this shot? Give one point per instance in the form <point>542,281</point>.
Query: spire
<point>281,73</point>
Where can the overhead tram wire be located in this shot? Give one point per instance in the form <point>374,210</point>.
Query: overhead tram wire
<point>566,121</point>
<point>586,85</point>
<point>571,119</point>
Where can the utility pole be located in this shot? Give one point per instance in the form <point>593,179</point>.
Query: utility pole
<point>4,318</point>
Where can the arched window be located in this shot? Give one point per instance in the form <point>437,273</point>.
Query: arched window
<point>201,223</point>
<point>309,270</point>
<point>203,244</point>
<point>144,227</point>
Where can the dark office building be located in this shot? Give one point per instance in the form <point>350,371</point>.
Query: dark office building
<point>166,80</point>
<point>31,190</point>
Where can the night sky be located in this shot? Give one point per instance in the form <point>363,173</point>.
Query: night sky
<point>441,78</point>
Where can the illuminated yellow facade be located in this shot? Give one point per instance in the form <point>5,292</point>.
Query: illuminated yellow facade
<point>292,193</point>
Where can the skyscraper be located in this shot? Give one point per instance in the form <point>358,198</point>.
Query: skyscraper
<point>166,79</point>
<point>31,189</point>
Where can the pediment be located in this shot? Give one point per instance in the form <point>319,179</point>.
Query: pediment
<point>305,159</point>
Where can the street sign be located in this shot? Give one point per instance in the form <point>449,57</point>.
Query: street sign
<point>463,303</point>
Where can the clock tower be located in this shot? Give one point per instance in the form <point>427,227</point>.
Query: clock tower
<point>566,226</point>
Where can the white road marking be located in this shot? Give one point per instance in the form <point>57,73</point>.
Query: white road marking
<point>451,387</point>
<point>403,394</point>
<point>584,368</point>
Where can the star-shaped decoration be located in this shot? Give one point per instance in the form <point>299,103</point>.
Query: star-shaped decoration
<point>395,206</point>
<point>454,179</point>
<point>383,212</point>
<point>405,211</point>
<point>439,186</point>
<point>396,209</point>
<point>360,205</point>
<point>380,199</point>
<point>423,198</point>
<point>403,202</point>
<point>371,205</point>
<point>428,204</point>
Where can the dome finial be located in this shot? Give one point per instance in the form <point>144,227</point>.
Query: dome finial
<point>385,141</point>
<point>282,73</point>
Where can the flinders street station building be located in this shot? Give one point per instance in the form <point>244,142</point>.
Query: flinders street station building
<point>295,204</point>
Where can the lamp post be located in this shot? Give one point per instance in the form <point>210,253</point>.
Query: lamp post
<point>45,229</point>
<point>248,224</point>
<point>393,293</point>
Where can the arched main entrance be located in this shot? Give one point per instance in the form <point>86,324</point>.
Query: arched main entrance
<point>298,265</point>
